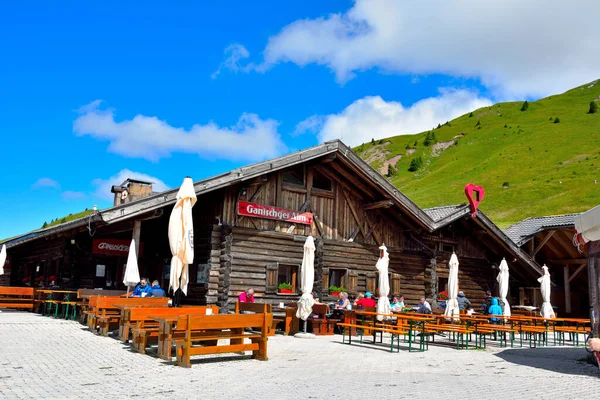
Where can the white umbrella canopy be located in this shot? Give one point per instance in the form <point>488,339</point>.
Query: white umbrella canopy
<point>2,259</point>
<point>502,279</point>
<point>452,304</point>
<point>307,279</point>
<point>383,303</point>
<point>545,287</point>
<point>181,236</point>
<point>132,272</point>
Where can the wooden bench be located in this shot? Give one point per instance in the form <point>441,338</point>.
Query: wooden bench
<point>394,330</point>
<point>106,311</point>
<point>84,295</point>
<point>241,308</point>
<point>321,325</point>
<point>140,322</point>
<point>16,297</point>
<point>220,327</point>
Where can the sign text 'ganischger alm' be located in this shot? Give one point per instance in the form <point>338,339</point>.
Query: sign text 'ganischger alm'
<point>276,213</point>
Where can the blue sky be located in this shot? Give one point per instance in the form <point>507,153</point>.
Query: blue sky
<point>93,93</point>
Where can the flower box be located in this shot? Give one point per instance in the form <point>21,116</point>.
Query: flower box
<point>286,291</point>
<point>334,294</point>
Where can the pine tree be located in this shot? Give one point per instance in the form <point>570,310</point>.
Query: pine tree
<point>62,221</point>
<point>416,164</point>
<point>525,106</point>
<point>373,141</point>
<point>45,225</point>
<point>556,120</point>
<point>391,171</point>
<point>593,107</point>
<point>478,123</point>
<point>471,115</point>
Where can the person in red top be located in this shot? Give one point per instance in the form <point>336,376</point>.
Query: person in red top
<point>367,301</point>
<point>247,296</point>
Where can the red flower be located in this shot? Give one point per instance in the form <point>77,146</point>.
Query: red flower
<point>443,295</point>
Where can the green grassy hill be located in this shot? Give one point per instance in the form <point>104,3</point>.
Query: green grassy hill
<point>529,162</point>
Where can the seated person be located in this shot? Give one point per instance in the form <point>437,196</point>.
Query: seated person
<point>366,301</point>
<point>247,296</point>
<point>424,306</point>
<point>142,289</point>
<point>316,298</point>
<point>487,302</point>
<point>463,302</point>
<point>343,303</point>
<point>157,291</point>
<point>397,303</point>
<point>358,298</point>
<point>495,309</point>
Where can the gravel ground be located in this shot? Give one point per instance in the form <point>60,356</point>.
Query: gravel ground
<point>42,357</point>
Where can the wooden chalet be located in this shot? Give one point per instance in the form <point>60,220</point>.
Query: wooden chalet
<point>549,240</point>
<point>250,225</point>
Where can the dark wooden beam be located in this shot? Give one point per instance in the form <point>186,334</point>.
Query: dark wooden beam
<point>351,177</point>
<point>542,243</point>
<point>354,213</point>
<point>379,204</point>
<point>568,261</point>
<point>577,271</point>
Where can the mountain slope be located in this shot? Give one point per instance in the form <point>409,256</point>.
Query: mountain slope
<point>529,162</point>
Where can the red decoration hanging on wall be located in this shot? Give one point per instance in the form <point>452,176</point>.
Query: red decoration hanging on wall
<point>475,196</point>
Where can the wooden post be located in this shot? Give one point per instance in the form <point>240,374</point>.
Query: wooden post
<point>521,296</point>
<point>137,231</point>
<point>434,282</point>
<point>318,287</point>
<point>567,290</point>
<point>593,249</point>
<point>225,272</point>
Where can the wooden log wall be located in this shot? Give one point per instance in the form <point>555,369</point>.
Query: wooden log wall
<point>339,213</point>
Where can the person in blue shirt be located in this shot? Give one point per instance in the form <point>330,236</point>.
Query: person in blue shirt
<point>495,309</point>
<point>157,291</point>
<point>143,289</point>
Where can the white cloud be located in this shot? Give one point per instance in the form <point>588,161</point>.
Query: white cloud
<point>103,185</point>
<point>373,117</point>
<point>233,55</point>
<point>311,124</point>
<point>45,183</point>
<point>515,47</point>
<point>71,195</point>
<point>251,139</point>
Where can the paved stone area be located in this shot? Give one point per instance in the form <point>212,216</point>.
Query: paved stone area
<point>45,358</point>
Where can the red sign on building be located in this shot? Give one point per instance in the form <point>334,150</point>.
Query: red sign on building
<point>113,247</point>
<point>276,213</point>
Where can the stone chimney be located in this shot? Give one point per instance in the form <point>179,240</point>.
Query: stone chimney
<point>131,190</point>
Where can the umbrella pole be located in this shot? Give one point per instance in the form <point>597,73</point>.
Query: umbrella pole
<point>127,291</point>
<point>304,326</point>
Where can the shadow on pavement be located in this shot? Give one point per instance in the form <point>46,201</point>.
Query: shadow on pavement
<point>571,361</point>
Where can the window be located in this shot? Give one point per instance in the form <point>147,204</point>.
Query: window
<point>294,176</point>
<point>320,181</point>
<point>337,277</point>
<point>442,284</point>
<point>288,274</point>
<point>448,248</point>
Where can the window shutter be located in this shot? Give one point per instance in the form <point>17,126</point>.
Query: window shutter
<point>371,282</point>
<point>352,282</point>
<point>345,280</point>
<point>325,279</point>
<point>271,283</point>
<point>395,284</point>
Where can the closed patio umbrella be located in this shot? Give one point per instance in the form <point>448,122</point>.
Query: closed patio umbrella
<point>2,259</point>
<point>383,303</point>
<point>502,279</point>
<point>544,280</point>
<point>307,278</point>
<point>452,304</point>
<point>132,272</point>
<point>181,238</point>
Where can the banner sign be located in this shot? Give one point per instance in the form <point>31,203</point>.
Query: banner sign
<point>276,213</point>
<point>113,247</point>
